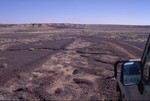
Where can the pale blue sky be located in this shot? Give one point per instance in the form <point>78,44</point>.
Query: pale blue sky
<point>76,11</point>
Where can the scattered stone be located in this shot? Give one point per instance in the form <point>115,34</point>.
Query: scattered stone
<point>37,74</point>
<point>4,65</point>
<point>94,98</point>
<point>23,75</point>
<point>76,71</point>
<point>58,91</point>
<point>31,49</point>
<point>82,81</point>
<point>2,58</point>
<point>21,88</point>
<point>5,90</point>
<point>2,98</point>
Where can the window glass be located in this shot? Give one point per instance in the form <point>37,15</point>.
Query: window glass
<point>132,73</point>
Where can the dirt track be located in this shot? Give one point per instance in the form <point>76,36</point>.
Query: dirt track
<point>62,67</point>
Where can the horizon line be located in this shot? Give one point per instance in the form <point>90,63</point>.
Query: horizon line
<point>74,24</point>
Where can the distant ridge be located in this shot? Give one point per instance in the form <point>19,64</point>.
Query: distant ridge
<point>77,24</point>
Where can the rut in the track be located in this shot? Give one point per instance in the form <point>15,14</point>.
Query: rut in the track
<point>126,50</point>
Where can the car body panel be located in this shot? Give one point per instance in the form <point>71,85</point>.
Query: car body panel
<point>132,92</point>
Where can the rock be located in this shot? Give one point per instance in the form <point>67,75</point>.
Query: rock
<point>23,75</point>
<point>4,65</point>
<point>31,49</point>
<point>2,98</point>
<point>58,91</point>
<point>5,90</point>
<point>37,74</point>
<point>82,81</point>
<point>21,88</point>
<point>2,58</point>
<point>76,71</point>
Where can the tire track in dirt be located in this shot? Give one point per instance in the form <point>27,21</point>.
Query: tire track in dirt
<point>124,48</point>
<point>117,46</point>
<point>139,49</point>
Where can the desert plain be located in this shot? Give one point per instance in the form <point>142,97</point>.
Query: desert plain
<point>62,61</point>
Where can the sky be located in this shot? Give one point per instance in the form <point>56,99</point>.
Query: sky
<point>126,12</point>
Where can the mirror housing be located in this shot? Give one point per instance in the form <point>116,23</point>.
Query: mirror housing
<point>131,73</point>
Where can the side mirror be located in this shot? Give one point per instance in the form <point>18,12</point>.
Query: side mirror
<point>131,72</point>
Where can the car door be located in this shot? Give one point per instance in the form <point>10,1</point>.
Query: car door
<point>133,90</point>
